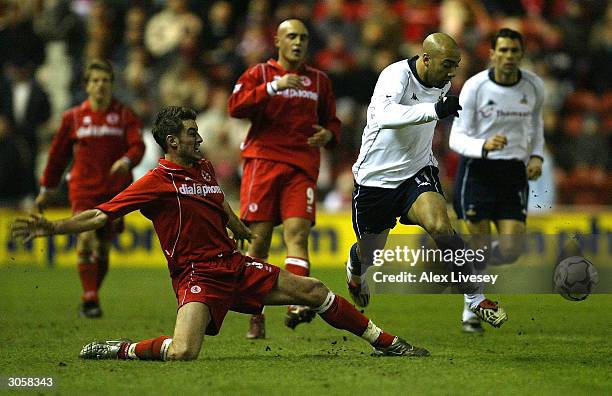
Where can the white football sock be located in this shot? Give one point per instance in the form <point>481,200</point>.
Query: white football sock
<point>371,333</point>
<point>467,315</point>
<point>473,299</point>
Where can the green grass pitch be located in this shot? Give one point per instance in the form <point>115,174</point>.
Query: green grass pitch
<point>549,345</point>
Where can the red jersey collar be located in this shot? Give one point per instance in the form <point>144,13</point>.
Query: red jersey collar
<point>169,165</point>
<point>86,105</point>
<point>274,63</point>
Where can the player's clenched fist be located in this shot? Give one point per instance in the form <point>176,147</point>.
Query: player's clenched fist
<point>449,105</point>
<point>289,81</point>
<point>121,166</point>
<point>534,168</point>
<point>321,137</point>
<point>496,142</point>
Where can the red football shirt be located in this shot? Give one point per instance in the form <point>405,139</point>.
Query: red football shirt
<point>186,208</point>
<point>95,139</point>
<point>280,124</point>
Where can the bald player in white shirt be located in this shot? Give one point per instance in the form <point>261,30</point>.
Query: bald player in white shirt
<point>500,136</point>
<point>396,174</point>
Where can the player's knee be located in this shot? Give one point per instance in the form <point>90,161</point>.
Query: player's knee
<point>87,241</point>
<point>313,291</point>
<point>183,352</point>
<point>438,226</point>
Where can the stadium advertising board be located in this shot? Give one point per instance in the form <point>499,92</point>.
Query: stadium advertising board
<point>331,238</point>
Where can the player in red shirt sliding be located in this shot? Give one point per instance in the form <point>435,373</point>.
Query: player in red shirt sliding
<point>293,114</point>
<point>182,198</point>
<point>102,137</point>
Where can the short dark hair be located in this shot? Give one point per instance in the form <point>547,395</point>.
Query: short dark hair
<point>169,121</point>
<point>98,64</point>
<point>509,33</point>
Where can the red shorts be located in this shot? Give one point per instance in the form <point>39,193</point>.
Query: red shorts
<point>275,191</point>
<point>235,283</point>
<point>110,230</point>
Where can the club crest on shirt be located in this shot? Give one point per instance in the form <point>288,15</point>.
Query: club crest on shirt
<point>206,176</point>
<point>488,109</point>
<point>305,81</point>
<point>196,289</point>
<point>112,118</point>
<point>86,120</point>
<point>253,207</point>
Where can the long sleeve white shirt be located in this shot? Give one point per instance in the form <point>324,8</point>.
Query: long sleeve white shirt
<point>490,108</point>
<point>397,139</point>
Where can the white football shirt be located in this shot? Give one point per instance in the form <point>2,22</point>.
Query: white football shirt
<point>490,108</point>
<point>396,141</point>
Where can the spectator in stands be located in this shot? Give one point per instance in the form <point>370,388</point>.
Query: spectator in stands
<point>168,28</point>
<point>26,104</point>
<point>13,166</point>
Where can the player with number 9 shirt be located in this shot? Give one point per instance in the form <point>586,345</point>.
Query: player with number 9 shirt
<point>293,113</point>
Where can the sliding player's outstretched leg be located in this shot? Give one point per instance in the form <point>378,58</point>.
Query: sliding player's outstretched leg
<point>338,312</point>
<point>103,349</point>
<point>192,321</point>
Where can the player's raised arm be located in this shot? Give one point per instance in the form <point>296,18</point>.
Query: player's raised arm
<point>37,225</point>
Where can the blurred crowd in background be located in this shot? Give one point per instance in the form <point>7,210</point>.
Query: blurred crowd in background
<point>190,53</point>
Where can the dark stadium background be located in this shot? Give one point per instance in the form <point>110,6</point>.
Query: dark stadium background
<point>191,53</point>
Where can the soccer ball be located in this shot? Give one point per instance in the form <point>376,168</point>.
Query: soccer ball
<point>575,278</point>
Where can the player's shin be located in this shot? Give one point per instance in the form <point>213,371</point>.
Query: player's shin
<point>101,263</point>
<point>456,244</point>
<point>354,265</point>
<point>340,314</point>
<point>152,349</point>
<point>88,273</point>
<point>368,245</point>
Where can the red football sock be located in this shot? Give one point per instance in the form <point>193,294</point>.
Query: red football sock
<point>297,266</point>
<point>145,350</point>
<point>102,267</point>
<point>88,272</point>
<point>342,315</point>
<point>384,339</point>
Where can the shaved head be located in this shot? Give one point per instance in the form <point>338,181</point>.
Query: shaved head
<point>288,25</point>
<point>441,57</point>
<point>439,43</point>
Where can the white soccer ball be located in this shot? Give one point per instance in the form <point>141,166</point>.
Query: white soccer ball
<point>574,278</point>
